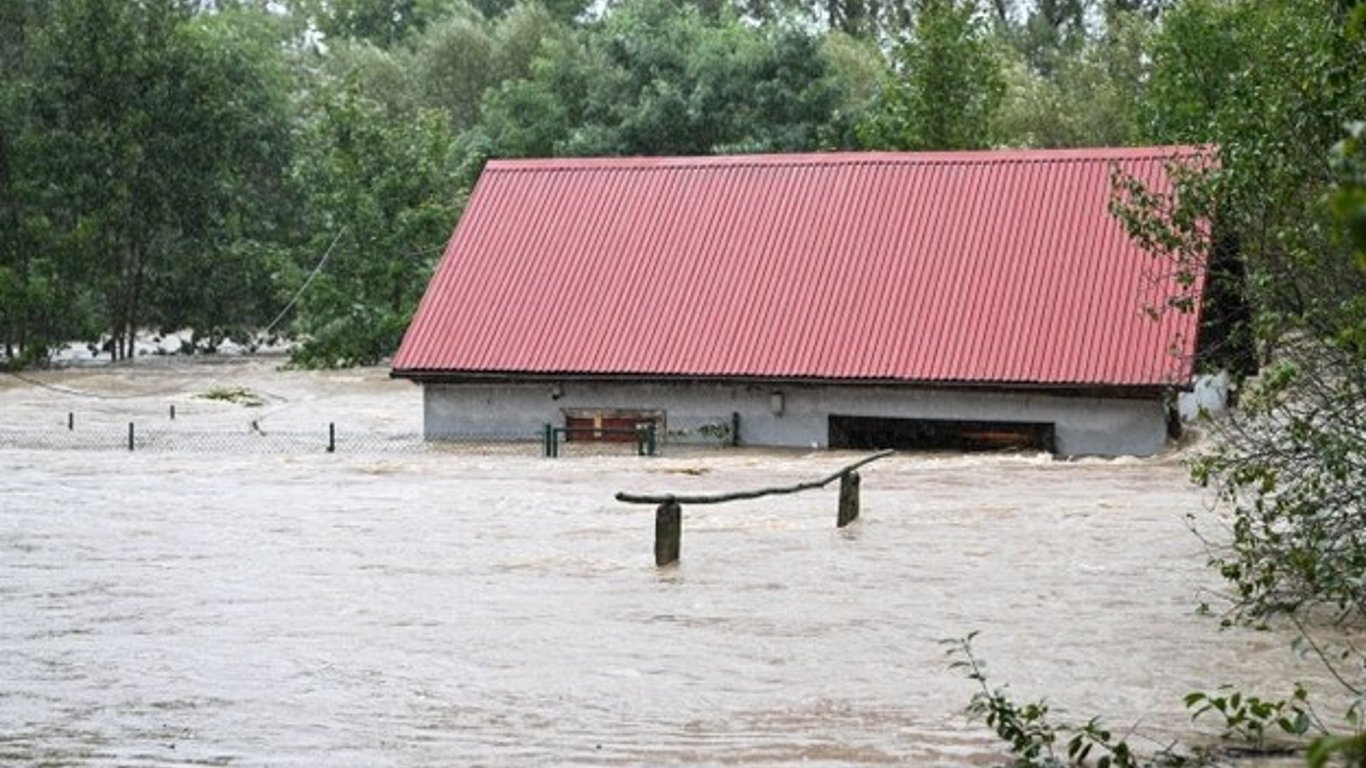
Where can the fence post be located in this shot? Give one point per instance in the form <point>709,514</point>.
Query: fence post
<point>331,437</point>
<point>734,428</point>
<point>130,436</point>
<point>545,440</point>
<point>668,532</point>
<point>70,421</point>
<point>848,510</point>
<point>172,411</point>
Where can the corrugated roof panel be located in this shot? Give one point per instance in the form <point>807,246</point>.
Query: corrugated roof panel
<point>992,267</point>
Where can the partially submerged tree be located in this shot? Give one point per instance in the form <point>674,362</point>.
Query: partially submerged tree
<point>151,154</point>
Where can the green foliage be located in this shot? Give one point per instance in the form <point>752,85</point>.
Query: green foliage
<point>1338,750</point>
<point>231,143</point>
<point>1250,718</point>
<point>1289,470</point>
<point>382,202</point>
<point>153,139</point>
<point>236,395</point>
<point>1349,199</point>
<point>1092,97</point>
<point>455,64</point>
<point>32,315</point>
<point>949,83</point>
<point>387,76</point>
<point>1271,87</point>
<point>659,78</point>
<point>866,19</point>
<point>385,23</point>
<point>1032,735</point>
<point>458,59</point>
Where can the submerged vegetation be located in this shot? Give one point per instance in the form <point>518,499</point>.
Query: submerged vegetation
<point>1250,726</point>
<point>236,395</point>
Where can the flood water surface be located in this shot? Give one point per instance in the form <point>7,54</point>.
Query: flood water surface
<point>441,609</point>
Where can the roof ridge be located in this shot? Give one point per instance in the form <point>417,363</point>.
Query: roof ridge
<point>846,158</point>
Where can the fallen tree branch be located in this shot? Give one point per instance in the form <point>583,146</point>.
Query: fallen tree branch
<point>633,498</point>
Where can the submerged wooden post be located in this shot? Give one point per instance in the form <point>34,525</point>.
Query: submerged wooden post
<point>130,435</point>
<point>668,532</point>
<point>172,411</point>
<point>848,511</point>
<point>669,515</point>
<point>331,437</point>
<point>70,420</point>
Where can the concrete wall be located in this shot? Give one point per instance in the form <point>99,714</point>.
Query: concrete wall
<point>696,411</point>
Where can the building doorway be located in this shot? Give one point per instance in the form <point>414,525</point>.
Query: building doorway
<point>874,432</point>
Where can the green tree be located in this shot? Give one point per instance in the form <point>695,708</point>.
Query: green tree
<point>1044,32</point>
<point>383,195</point>
<point>40,298</point>
<point>160,136</point>
<point>561,11</point>
<point>227,133</point>
<point>657,78</point>
<point>947,87</point>
<point>858,66</point>
<point>385,23</point>
<point>92,63</point>
<point>1349,199</point>
<point>1091,97</point>
<point>155,139</point>
<point>866,19</point>
<point>1272,86</point>
<point>519,37</point>
<point>456,62</point>
<point>387,76</point>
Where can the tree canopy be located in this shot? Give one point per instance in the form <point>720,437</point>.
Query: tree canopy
<point>172,163</point>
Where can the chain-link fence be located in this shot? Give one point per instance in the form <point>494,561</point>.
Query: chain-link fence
<point>327,439</point>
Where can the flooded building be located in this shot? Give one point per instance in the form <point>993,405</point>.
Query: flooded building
<point>941,300</point>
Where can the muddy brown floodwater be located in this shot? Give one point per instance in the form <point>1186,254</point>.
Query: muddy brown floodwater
<point>442,609</point>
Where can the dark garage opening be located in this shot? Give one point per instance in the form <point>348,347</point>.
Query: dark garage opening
<point>870,432</point>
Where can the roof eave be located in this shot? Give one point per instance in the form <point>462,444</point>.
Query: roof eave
<point>1094,388</point>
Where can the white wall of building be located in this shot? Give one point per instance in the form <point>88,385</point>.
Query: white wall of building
<point>695,411</point>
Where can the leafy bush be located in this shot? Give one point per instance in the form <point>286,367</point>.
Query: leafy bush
<point>1250,718</point>
<point>1032,735</point>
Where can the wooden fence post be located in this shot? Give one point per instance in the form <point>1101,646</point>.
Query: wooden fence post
<point>848,511</point>
<point>668,532</point>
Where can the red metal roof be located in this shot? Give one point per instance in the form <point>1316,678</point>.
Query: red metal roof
<point>981,267</point>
